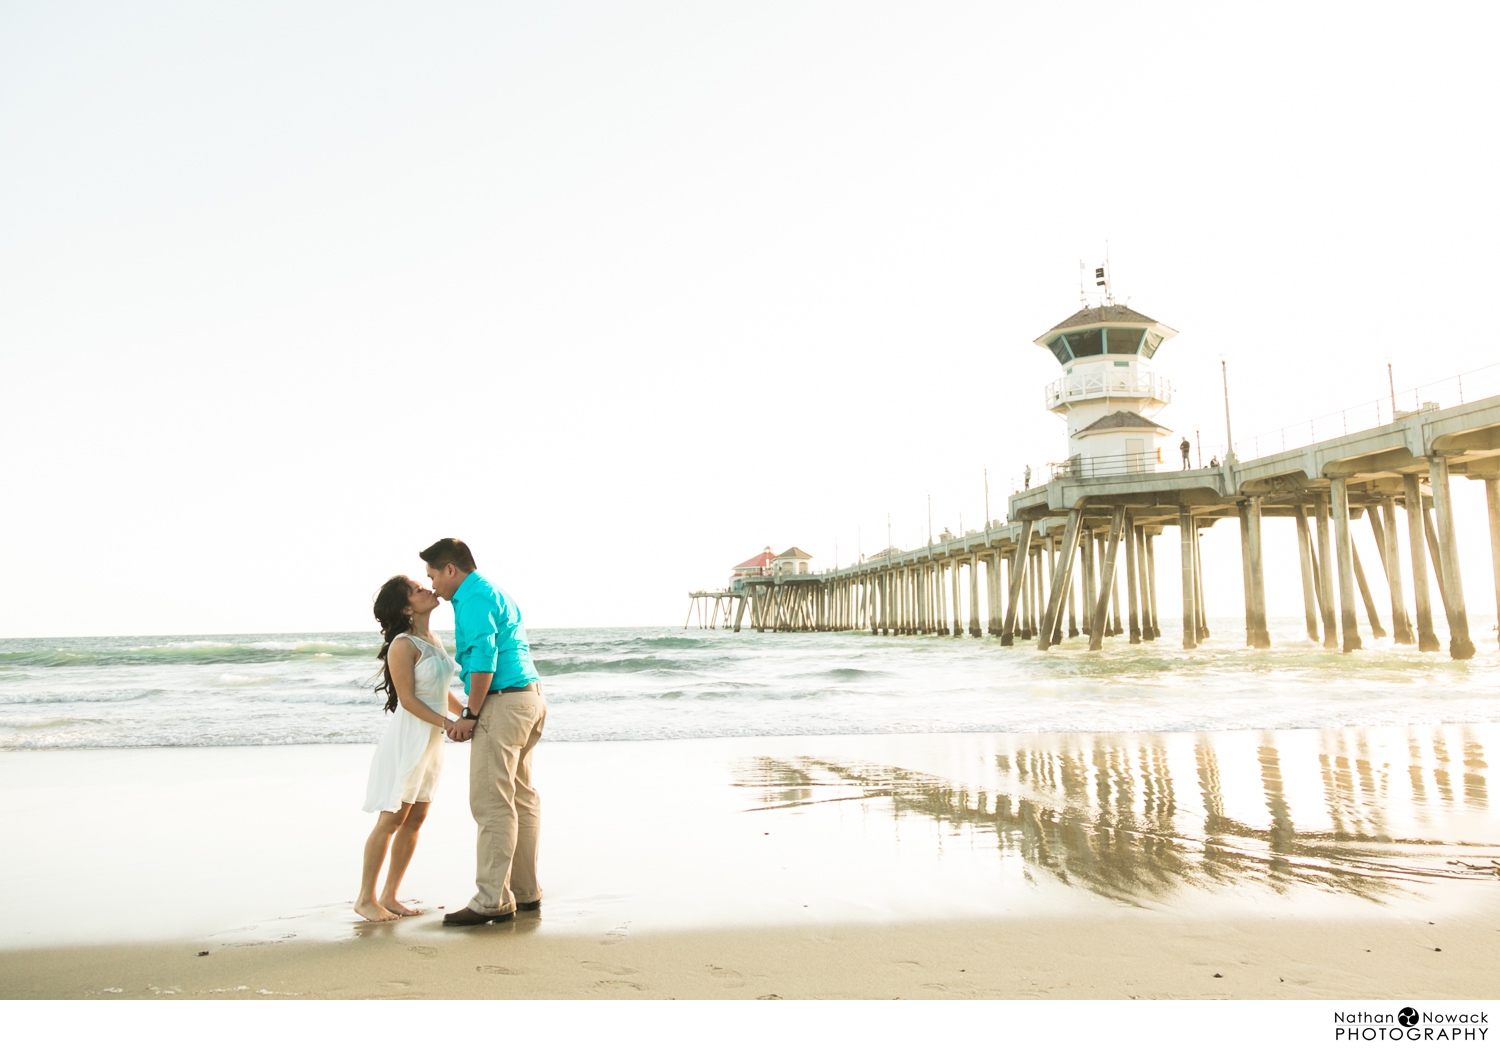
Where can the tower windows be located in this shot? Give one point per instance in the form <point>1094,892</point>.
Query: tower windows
<point>1124,340</point>
<point>1096,341</point>
<point>1086,344</point>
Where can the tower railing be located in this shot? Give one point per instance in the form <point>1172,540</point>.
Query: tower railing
<point>1106,466</point>
<point>1134,382</point>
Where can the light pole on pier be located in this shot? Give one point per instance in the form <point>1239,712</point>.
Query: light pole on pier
<point>1228,432</point>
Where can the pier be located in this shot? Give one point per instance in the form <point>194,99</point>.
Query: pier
<point>1077,552</point>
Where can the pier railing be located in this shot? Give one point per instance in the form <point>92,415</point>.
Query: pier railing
<point>1137,382</point>
<point>1473,385</point>
<point>1105,466</point>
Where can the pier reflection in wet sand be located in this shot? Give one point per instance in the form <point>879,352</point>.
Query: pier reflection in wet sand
<point>1374,813</point>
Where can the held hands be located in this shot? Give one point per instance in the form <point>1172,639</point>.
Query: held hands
<point>462,729</point>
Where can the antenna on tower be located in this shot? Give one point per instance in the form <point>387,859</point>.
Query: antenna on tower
<point>1083,296</point>
<point>1101,279</point>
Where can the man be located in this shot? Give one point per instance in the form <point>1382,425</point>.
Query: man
<point>1185,448</point>
<point>504,719</point>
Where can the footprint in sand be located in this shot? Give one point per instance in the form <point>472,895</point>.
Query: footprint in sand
<point>730,978</point>
<point>489,968</point>
<point>599,967</point>
<point>424,951</point>
<point>620,984</point>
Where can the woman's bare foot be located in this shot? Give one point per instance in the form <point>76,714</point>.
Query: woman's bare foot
<point>373,912</point>
<point>393,905</point>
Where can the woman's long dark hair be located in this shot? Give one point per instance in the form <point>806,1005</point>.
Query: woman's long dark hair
<point>391,603</point>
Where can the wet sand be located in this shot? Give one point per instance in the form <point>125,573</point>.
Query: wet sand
<point>1323,864</point>
<point>1129,955</point>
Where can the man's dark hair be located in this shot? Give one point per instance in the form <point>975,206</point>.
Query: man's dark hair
<point>449,551</point>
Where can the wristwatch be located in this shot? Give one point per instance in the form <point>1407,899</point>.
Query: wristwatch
<point>470,715</point>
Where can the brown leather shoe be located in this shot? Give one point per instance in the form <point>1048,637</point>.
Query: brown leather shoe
<point>470,917</point>
<point>528,905</point>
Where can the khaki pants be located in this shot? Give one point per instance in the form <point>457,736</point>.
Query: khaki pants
<point>505,805</point>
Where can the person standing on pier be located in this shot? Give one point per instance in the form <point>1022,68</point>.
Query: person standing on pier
<point>1027,476</point>
<point>504,719</point>
<point>1185,448</point>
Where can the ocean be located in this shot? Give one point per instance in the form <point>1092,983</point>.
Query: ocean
<point>668,683</point>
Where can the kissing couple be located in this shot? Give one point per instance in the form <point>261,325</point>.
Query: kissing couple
<point>501,717</point>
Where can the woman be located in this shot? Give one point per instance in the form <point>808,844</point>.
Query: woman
<point>415,676</point>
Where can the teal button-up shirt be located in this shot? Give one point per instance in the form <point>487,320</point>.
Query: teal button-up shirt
<point>488,635</point>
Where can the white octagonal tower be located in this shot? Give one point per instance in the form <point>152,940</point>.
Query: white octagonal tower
<point>1108,393</point>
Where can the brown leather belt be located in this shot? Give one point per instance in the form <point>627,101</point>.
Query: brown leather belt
<point>528,687</point>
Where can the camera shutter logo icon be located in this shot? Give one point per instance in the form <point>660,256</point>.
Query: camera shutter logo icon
<point>1407,1016</point>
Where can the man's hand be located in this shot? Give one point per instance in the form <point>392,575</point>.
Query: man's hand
<point>460,730</point>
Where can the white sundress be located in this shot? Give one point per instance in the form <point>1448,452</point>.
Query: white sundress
<point>409,757</point>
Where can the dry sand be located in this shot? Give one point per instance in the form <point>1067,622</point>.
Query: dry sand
<point>1132,955</point>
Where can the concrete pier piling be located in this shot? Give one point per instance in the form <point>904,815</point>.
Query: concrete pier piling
<point>1417,530</point>
<point>1101,540</point>
<point>1324,568</point>
<point>1107,588</point>
<point>1492,503</point>
<point>1151,585</point>
<point>1189,584</point>
<point>1088,589</point>
<point>1338,489</point>
<point>1257,631</point>
<point>1131,578</point>
<point>1061,583</point>
<point>1028,603</point>
<point>1257,634</point>
<point>1309,577</point>
<point>1371,613</point>
<point>1383,526</point>
<point>1116,625</point>
<point>1201,607</point>
<point>1246,587</point>
<point>1460,647</point>
<point>1434,552</point>
<point>1038,583</point>
<point>1007,632</point>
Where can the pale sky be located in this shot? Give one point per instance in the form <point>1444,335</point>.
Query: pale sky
<point>623,292</point>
